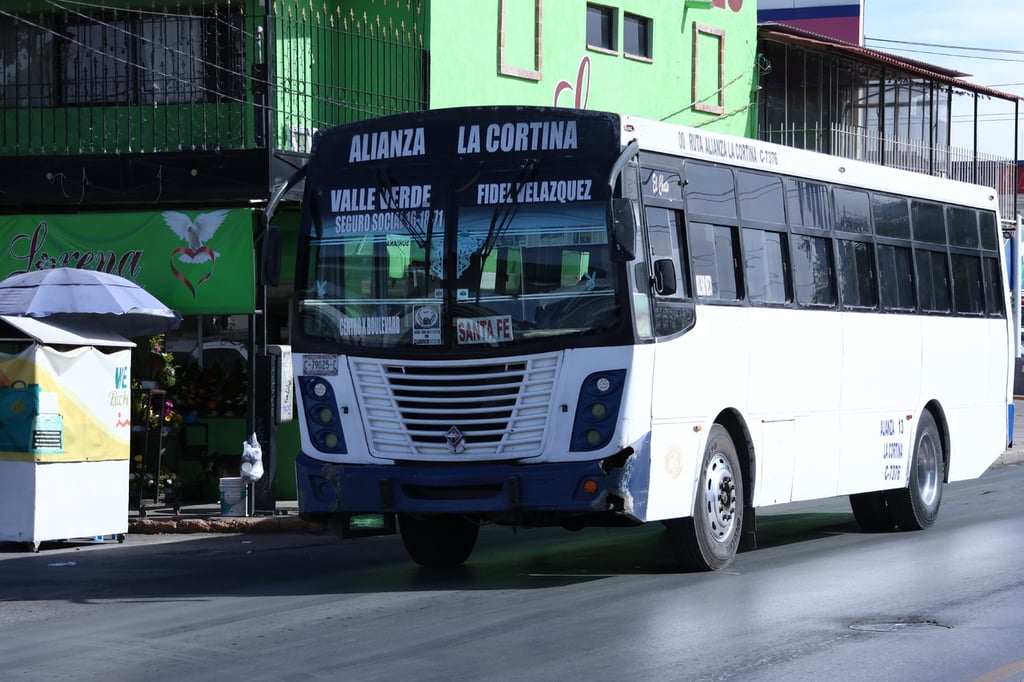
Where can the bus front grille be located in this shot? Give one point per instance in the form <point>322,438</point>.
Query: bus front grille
<point>441,410</point>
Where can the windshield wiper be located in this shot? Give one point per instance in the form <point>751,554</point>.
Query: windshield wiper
<point>420,236</point>
<point>504,212</point>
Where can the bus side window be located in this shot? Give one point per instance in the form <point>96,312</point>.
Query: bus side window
<point>714,255</point>
<point>857,274</point>
<point>664,228</point>
<point>963,227</point>
<point>766,264</point>
<point>932,280</point>
<point>990,240</point>
<point>968,289</point>
<point>891,216</point>
<point>990,236</point>
<point>896,278</point>
<point>813,280</point>
<point>993,287</point>
<point>853,210</point>
<point>928,222</point>
<point>808,204</point>
<point>762,202</point>
<point>672,314</point>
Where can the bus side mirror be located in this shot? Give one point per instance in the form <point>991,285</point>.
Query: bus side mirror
<point>622,218</point>
<point>664,277</point>
<point>270,256</point>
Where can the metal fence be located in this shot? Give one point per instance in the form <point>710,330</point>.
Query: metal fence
<point>83,78</point>
<point>940,160</point>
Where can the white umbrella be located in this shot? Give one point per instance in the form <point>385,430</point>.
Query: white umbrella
<point>86,297</point>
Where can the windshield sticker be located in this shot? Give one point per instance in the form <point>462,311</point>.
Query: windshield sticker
<point>373,209</point>
<point>484,329</point>
<point>369,326</point>
<point>426,325</point>
<point>705,285</point>
<point>468,245</point>
<point>315,364</point>
<point>540,191</point>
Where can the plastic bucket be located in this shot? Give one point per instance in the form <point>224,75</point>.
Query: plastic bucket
<point>233,494</point>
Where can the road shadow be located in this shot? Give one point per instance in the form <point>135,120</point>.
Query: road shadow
<point>200,567</point>
<point>785,529</point>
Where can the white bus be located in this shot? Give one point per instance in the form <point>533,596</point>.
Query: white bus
<point>553,317</point>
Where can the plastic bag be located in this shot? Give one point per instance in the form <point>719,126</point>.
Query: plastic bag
<point>252,460</point>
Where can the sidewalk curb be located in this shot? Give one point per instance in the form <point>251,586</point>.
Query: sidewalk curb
<point>1009,458</point>
<point>267,524</point>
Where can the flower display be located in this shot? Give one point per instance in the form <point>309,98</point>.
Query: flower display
<point>211,392</point>
<point>158,415</point>
<point>162,362</point>
<point>166,482</point>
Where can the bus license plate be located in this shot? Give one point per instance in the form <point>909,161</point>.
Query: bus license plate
<point>320,365</point>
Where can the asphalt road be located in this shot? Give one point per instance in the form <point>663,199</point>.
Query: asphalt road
<point>817,600</point>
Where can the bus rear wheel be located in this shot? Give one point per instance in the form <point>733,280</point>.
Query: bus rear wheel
<point>916,506</point>
<point>708,540</point>
<point>442,541</point>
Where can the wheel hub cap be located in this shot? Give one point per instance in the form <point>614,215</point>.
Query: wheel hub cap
<point>720,498</point>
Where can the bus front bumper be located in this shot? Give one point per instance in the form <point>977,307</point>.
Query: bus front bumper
<point>616,484</point>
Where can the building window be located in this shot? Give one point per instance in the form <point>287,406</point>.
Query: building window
<point>602,29</point>
<point>26,54</point>
<point>140,58</point>
<point>636,36</point>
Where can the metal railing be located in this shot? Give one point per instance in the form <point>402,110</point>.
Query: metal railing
<point>81,78</point>
<point>940,160</point>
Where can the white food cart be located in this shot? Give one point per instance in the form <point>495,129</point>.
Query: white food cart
<point>65,424</point>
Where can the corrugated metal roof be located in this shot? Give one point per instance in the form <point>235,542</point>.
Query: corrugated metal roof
<point>791,35</point>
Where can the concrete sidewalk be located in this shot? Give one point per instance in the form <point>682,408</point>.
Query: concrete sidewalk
<point>207,518</point>
<point>1015,453</point>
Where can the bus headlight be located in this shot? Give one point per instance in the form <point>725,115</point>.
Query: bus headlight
<point>597,410</point>
<point>321,414</point>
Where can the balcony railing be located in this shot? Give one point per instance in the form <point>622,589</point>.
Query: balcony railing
<point>86,79</point>
<point>914,155</point>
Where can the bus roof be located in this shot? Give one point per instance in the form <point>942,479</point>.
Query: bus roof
<point>667,138</point>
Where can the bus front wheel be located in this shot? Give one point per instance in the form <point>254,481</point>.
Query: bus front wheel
<point>916,506</point>
<point>442,541</point>
<point>708,540</point>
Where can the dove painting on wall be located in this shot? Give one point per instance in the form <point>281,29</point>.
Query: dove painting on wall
<point>194,232</point>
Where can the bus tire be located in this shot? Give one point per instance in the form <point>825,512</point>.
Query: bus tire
<point>708,540</point>
<point>441,541</point>
<point>871,512</point>
<point>916,506</point>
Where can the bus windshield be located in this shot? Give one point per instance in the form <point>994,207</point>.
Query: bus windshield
<point>523,265</point>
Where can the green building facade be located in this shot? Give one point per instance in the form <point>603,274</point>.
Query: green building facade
<point>692,63</point>
<point>121,120</point>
